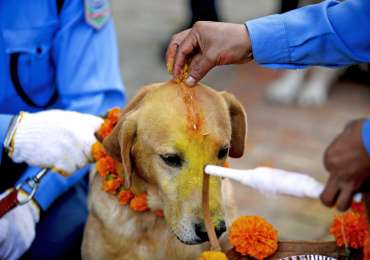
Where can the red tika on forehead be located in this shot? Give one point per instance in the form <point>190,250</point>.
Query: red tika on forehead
<point>193,115</point>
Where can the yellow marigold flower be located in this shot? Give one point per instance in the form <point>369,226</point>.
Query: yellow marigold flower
<point>253,236</point>
<point>212,255</point>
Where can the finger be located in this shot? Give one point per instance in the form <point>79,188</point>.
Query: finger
<point>330,194</point>
<point>170,55</point>
<point>199,67</point>
<point>344,199</point>
<point>176,40</point>
<point>185,49</point>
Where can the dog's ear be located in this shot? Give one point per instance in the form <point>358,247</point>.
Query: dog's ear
<point>119,142</point>
<point>238,125</point>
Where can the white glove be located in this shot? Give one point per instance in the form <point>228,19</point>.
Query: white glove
<point>56,139</point>
<point>17,230</point>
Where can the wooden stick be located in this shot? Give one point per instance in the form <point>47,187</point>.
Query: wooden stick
<point>215,245</point>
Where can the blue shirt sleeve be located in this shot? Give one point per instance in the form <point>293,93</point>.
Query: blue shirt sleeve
<point>366,135</point>
<point>88,80</point>
<point>331,33</point>
<point>4,124</point>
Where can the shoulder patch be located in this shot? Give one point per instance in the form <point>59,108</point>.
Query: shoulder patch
<point>97,12</point>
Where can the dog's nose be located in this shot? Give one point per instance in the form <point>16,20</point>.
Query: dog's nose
<point>221,228</point>
<point>200,230</point>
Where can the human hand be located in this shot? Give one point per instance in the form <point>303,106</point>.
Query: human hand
<point>18,229</point>
<point>205,46</point>
<point>348,164</point>
<point>56,139</point>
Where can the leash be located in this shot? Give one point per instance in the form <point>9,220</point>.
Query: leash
<point>11,200</point>
<point>215,244</point>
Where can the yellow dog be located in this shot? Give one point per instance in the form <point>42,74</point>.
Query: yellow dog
<point>164,138</point>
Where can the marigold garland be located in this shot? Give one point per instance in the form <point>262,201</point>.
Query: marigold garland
<point>112,183</point>
<point>125,196</point>
<point>98,151</point>
<point>109,169</point>
<point>106,166</point>
<point>113,116</point>
<point>253,236</point>
<point>212,255</point>
<point>139,203</point>
<point>105,128</point>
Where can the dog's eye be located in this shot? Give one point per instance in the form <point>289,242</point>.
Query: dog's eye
<point>172,160</point>
<point>223,152</point>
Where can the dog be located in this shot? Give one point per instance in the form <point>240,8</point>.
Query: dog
<point>164,138</point>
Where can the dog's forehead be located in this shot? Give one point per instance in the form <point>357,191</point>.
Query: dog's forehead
<point>172,110</point>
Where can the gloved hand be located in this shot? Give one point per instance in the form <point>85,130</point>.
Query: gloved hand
<point>55,139</point>
<point>205,46</point>
<point>17,229</point>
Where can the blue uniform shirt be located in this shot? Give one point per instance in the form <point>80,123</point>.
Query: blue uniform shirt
<point>46,51</point>
<point>332,33</point>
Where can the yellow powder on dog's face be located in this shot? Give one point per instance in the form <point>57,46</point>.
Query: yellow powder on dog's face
<point>186,134</point>
<point>198,150</point>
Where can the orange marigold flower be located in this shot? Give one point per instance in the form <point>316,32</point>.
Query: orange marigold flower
<point>159,213</point>
<point>113,115</point>
<point>105,128</point>
<point>349,229</point>
<point>106,166</point>
<point>98,151</point>
<point>212,255</point>
<point>111,183</point>
<point>253,236</point>
<point>124,196</point>
<point>139,203</point>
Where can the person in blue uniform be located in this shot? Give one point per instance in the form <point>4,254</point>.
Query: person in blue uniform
<point>58,68</point>
<point>331,33</point>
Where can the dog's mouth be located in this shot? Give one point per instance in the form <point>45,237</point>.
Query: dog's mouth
<point>192,242</point>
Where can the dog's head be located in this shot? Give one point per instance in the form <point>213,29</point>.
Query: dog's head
<point>165,136</point>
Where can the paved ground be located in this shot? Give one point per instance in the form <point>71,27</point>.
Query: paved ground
<point>288,137</point>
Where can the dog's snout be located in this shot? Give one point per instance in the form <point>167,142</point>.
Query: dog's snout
<point>200,230</point>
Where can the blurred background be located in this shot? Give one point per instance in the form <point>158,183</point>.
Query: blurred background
<point>292,116</point>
